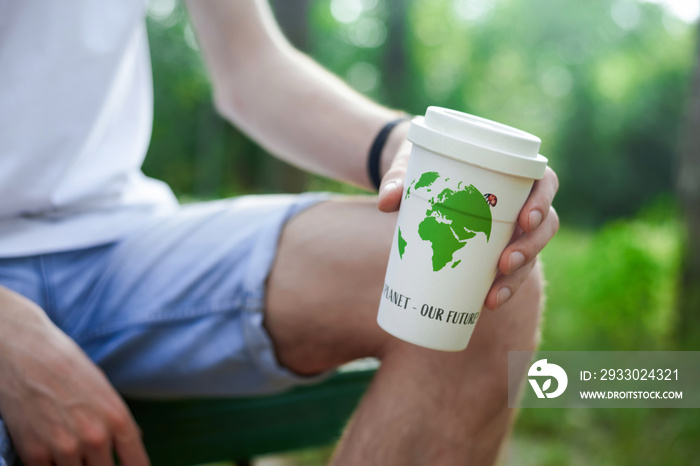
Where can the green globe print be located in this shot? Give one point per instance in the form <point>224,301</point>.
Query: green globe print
<point>446,226</point>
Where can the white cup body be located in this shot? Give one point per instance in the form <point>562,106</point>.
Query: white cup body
<point>436,302</point>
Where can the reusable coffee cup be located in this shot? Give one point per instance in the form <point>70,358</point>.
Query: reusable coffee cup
<point>466,181</point>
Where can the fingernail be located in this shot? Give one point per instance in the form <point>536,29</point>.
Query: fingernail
<point>535,218</point>
<point>502,296</point>
<point>515,260</point>
<point>387,188</point>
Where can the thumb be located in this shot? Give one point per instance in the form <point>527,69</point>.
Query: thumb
<point>390,194</point>
<point>391,187</point>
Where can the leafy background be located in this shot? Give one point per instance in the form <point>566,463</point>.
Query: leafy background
<point>605,84</point>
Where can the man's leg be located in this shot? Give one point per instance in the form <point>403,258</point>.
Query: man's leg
<point>424,406</point>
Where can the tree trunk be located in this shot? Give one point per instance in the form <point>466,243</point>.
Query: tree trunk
<point>394,65</point>
<point>293,18</point>
<point>688,187</point>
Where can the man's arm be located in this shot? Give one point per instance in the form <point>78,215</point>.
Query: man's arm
<point>307,116</point>
<point>283,99</point>
<point>58,407</point>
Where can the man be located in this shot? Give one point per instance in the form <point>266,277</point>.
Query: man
<point>101,267</point>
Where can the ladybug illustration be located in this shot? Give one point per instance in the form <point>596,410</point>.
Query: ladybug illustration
<point>491,199</point>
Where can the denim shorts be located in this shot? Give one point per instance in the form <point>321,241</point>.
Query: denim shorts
<point>176,308</point>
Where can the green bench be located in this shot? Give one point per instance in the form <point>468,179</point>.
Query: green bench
<point>195,431</point>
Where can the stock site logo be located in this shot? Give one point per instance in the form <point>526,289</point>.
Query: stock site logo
<point>542,368</point>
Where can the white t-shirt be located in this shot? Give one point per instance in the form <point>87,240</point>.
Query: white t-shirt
<point>76,108</point>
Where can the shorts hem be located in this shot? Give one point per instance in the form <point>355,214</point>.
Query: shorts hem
<point>258,340</point>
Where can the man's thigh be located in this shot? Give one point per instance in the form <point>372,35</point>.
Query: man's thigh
<point>324,288</point>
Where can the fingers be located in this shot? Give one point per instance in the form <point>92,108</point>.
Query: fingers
<point>88,444</point>
<point>68,459</point>
<point>537,224</point>
<point>98,447</point>
<point>131,451</point>
<point>93,445</point>
<point>526,247</point>
<point>66,449</point>
<point>101,457</point>
<point>127,441</point>
<point>538,204</point>
<point>506,286</point>
<point>34,454</point>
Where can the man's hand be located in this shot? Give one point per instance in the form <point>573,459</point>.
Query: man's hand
<point>58,406</point>
<point>537,224</point>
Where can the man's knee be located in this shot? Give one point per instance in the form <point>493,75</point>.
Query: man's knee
<point>324,288</point>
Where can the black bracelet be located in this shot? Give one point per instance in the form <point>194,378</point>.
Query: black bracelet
<point>375,152</point>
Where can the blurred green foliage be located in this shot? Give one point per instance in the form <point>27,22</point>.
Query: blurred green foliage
<point>614,289</point>
<point>603,83</point>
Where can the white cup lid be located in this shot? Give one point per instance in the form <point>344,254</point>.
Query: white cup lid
<point>479,142</point>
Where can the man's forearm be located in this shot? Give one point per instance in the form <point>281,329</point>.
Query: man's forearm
<point>284,100</point>
<point>309,117</point>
